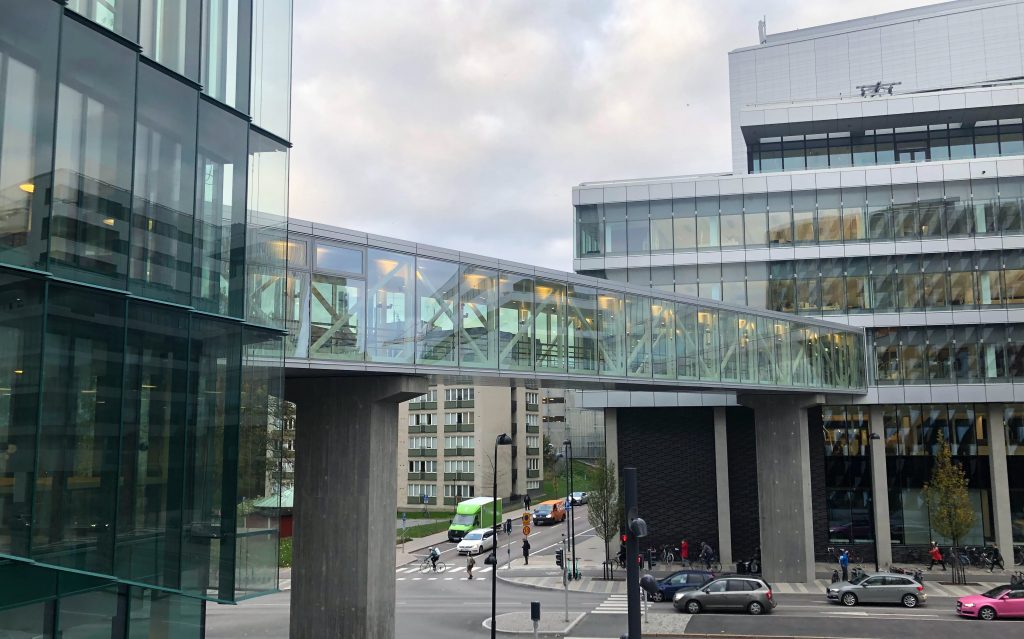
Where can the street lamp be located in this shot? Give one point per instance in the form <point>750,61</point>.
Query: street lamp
<point>501,440</point>
<point>871,474</point>
<point>571,522</point>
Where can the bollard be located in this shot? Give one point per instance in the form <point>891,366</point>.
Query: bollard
<point>535,617</point>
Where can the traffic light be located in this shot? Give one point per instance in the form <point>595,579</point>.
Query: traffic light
<point>559,561</point>
<point>623,538</point>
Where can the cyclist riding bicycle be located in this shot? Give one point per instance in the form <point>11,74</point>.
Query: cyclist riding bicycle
<point>435,554</point>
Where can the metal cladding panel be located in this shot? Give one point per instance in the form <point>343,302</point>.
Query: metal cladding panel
<point>898,63</point>
<point>967,47</point>
<point>865,57</point>
<point>802,81</point>
<point>832,67</point>
<point>932,52</point>
<point>1002,41</point>
<point>744,514</point>
<point>772,68</point>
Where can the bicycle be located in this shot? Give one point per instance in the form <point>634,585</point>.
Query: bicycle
<point>427,566</point>
<point>666,554</point>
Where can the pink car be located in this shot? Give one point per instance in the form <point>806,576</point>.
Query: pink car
<point>1001,601</point>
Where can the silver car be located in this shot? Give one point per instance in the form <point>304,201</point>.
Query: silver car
<point>879,587</point>
<point>740,594</point>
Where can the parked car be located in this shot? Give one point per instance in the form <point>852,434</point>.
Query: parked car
<point>680,581</point>
<point>753,596</point>
<point>549,512</point>
<point>578,498</point>
<point>1001,601</point>
<point>879,587</point>
<point>476,542</point>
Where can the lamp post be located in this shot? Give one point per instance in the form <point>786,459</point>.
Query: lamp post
<point>571,522</point>
<point>871,470</point>
<point>501,440</point>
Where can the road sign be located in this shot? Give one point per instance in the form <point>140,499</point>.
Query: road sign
<point>526,530</point>
<point>526,519</point>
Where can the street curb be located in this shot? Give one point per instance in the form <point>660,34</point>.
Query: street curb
<point>560,589</point>
<point>556,633</point>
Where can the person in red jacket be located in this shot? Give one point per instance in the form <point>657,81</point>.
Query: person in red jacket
<point>936,556</point>
<point>684,551</point>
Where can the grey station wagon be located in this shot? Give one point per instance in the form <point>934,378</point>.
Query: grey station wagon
<point>882,587</point>
<point>739,594</point>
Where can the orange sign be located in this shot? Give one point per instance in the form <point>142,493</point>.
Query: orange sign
<point>526,519</point>
<point>526,530</point>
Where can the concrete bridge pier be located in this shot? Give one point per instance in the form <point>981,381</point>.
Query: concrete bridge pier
<point>784,485</point>
<point>343,572</point>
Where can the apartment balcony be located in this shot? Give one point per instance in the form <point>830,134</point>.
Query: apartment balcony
<point>459,403</point>
<point>458,428</point>
<point>431,501</point>
<point>422,452</point>
<point>532,473</point>
<point>423,428</point>
<point>423,476</point>
<point>533,408</point>
<point>459,452</point>
<point>422,405</point>
<point>533,428</point>
<point>458,476</point>
<point>532,451</point>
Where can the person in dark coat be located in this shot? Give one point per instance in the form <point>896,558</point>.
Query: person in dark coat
<point>526,502</point>
<point>526,551</point>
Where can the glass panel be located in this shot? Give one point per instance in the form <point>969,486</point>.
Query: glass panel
<point>437,287</point>
<point>686,341</point>
<point>940,355</point>
<point>390,314</point>
<point>218,263</point>
<point>803,225</point>
<point>550,329</point>
<point>155,613</point>
<point>120,16</point>
<point>148,544</point>
<point>337,318</point>
<point>82,614</point>
<point>79,443</point>
<point>684,225</point>
<point>582,328</point>
<point>938,144</point>
<point>638,335</point>
<point>263,412</point>
<point>20,362</point>
<point>661,235</point>
<point>343,259</point>
<point>272,65</point>
<point>227,40</point>
<point>709,345</point>
<point>478,331</point>
<point>729,349</point>
<point>615,233</point>
<point>913,355</point>
<point>638,228</point>
<point>663,334</point>
<point>708,232</point>
<point>93,166</point>
<point>830,221</point>
<point>216,352</point>
<point>611,327</point>
<point>515,322</point>
<point>168,30</point>
<point>887,355</point>
<point>164,188</point>
<point>783,352</point>
<point>266,225</point>
<point>767,365</point>
<point>588,230</point>
<point>28,81</point>
<point>839,151</point>
<point>780,227</point>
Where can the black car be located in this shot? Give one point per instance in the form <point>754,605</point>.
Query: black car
<point>679,581</point>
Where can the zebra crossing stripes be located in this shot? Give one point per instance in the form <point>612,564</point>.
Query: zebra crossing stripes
<point>613,605</point>
<point>412,573</point>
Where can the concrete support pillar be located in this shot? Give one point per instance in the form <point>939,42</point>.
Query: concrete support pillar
<point>346,437</point>
<point>1000,479</point>
<point>611,437</point>
<point>784,485</point>
<point>880,490</point>
<point>722,488</point>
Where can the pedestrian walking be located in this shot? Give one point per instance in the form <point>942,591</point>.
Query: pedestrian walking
<point>526,502</point>
<point>684,551</point>
<point>936,556</point>
<point>526,551</point>
<point>844,564</point>
<point>997,558</point>
<point>706,554</point>
<point>470,562</point>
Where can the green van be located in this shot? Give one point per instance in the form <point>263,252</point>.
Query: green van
<point>471,514</point>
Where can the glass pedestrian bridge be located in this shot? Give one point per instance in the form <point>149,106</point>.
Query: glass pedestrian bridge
<point>358,302</point>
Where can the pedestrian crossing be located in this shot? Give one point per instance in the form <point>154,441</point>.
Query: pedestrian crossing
<point>613,605</point>
<point>412,573</point>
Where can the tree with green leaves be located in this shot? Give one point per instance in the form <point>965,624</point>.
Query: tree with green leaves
<point>949,504</point>
<point>604,505</point>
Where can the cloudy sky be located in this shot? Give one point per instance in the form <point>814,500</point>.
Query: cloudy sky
<point>466,123</point>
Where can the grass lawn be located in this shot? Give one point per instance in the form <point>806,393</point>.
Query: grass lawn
<point>554,484</point>
<point>418,514</point>
<point>423,530</point>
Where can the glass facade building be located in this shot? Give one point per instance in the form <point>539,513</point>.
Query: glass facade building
<point>142,220</point>
<point>895,210</point>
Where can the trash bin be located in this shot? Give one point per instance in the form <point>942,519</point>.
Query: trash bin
<point>741,567</point>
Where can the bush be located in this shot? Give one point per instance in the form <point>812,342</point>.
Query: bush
<point>285,556</point>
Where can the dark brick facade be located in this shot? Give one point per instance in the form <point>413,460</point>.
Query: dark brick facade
<point>743,503</point>
<point>673,450</point>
